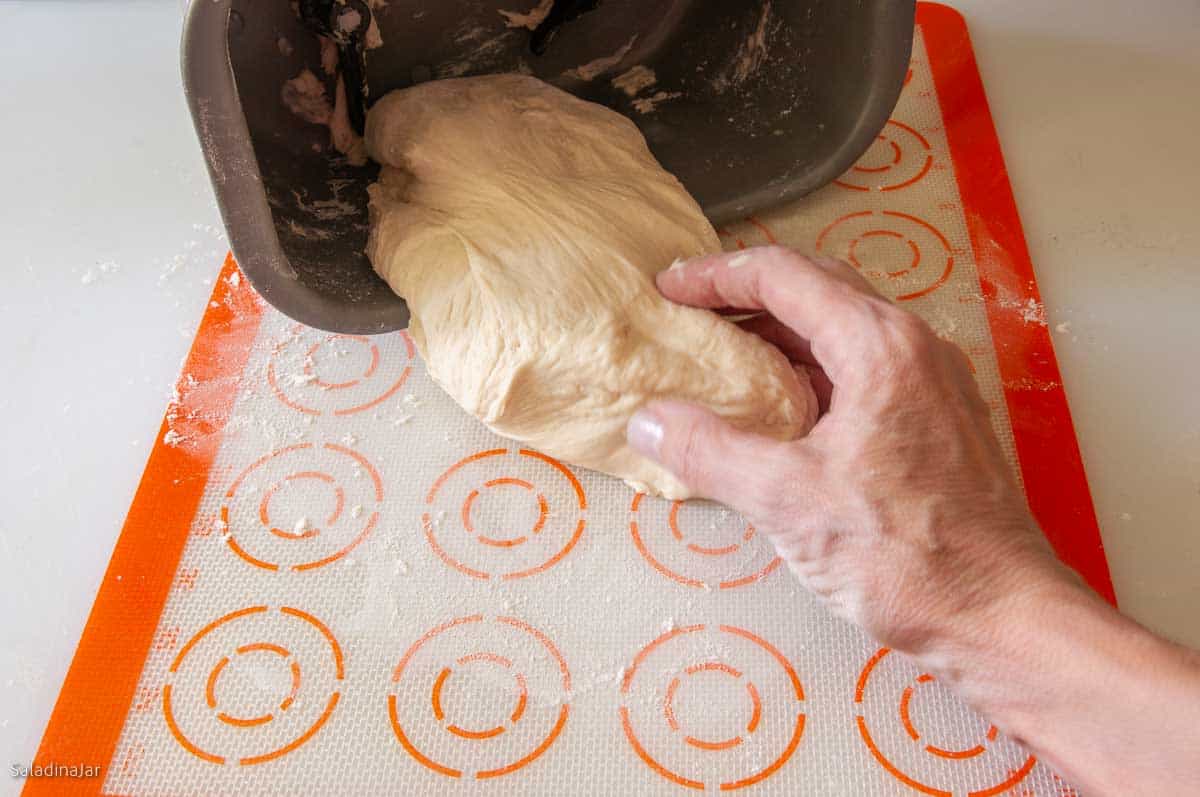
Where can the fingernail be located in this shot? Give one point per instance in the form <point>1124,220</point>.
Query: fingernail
<point>645,433</point>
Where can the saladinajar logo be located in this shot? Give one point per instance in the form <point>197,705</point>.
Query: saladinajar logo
<point>55,770</point>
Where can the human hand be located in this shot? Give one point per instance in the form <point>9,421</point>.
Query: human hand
<point>901,512</point>
<point>899,508</point>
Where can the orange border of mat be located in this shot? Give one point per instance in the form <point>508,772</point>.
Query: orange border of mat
<point>1055,483</point>
<point>99,687</point>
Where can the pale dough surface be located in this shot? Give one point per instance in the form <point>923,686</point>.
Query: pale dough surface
<point>524,226</point>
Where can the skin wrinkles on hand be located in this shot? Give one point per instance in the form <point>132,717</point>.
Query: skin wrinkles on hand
<point>900,511</point>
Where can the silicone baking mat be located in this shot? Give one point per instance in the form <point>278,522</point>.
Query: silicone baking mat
<point>333,581</point>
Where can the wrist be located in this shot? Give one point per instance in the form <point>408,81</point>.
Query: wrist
<point>1097,697</point>
<point>1078,683</point>
<point>1040,638</point>
<point>1004,603</point>
<point>992,654</point>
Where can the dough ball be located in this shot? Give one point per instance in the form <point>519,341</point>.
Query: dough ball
<point>524,227</point>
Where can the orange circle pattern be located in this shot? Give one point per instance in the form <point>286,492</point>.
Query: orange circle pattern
<point>306,548</point>
<point>307,390</point>
<point>531,640</point>
<point>706,746</point>
<point>249,731</point>
<point>928,252</point>
<point>904,715</point>
<point>703,557</point>
<point>497,549</point>
<point>899,157</point>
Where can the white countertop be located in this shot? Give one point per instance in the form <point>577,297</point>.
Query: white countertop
<point>112,241</point>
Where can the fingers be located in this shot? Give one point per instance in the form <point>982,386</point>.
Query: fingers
<point>824,302</point>
<point>709,455</point>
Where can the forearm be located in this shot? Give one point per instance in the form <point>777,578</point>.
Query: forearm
<point>1113,708</point>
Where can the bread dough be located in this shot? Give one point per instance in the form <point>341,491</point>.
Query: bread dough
<point>524,226</point>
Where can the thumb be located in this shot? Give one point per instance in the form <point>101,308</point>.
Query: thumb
<point>710,456</point>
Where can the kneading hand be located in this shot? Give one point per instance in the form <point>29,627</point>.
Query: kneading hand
<point>900,510</point>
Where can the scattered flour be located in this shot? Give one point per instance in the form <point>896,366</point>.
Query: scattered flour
<point>304,95</point>
<point>650,104</point>
<point>314,233</point>
<point>634,80</point>
<point>485,54</point>
<point>528,19</point>
<point>751,54</point>
<point>324,209</point>
<point>593,69</point>
<point>101,269</point>
<point>1030,310</point>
